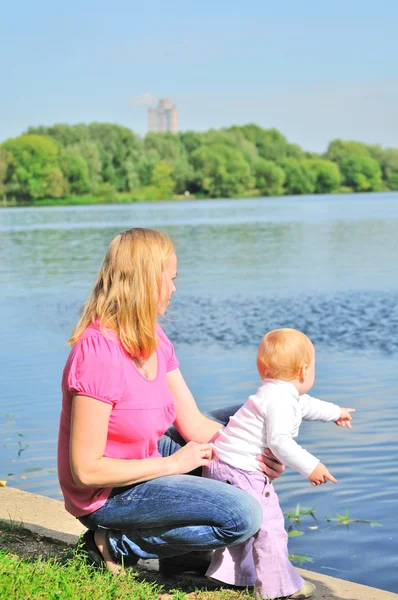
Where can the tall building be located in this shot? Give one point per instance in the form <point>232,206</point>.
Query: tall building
<point>164,117</point>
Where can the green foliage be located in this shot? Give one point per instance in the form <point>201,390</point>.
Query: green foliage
<point>76,171</point>
<point>146,165</point>
<point>162,180</point>
<point>269,177</point>
<point>183,175</point>
<point>361,173</point>
<point>300,178</point>
<point>221,171</point>
<point>326,173</point>
<point>106,191</point>
<point>338,150</point>
<point>388,160</point>
<point>37,173</point>
<point>270,143</point>
<point>191,140</point>
<point>296,514</point>
<point>345,520</point>
<point>89,151</point>
<point>111,163</point>
<point>6,164</point>
<point>167,145</point>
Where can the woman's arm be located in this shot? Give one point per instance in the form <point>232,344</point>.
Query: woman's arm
<point>89,466</point>
<point>190,422</point>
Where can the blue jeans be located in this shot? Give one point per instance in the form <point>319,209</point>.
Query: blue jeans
<point>175,514</point>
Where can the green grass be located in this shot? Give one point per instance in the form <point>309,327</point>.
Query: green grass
<point>61,573</point>
<point>44,578</point>
<point>87,200</point>
<point>47,579</point>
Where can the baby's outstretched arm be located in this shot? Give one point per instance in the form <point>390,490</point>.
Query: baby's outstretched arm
<point>320,475</point>
<point>345,417</point>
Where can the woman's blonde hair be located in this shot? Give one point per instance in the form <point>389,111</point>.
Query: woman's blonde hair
<point>127,290</point>
<point>282,354</point>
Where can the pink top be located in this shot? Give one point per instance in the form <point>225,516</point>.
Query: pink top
<point>142,409</point>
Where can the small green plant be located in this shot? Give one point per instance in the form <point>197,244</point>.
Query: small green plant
<point>295,533</point>
<point>300,560</point>
<point>345,520</point>
<point>22,445</point>
<point>297,513</point>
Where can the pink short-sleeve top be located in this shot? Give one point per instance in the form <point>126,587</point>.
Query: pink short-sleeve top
<point>142,409</point>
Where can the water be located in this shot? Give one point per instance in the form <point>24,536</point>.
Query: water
<point>324,264</point>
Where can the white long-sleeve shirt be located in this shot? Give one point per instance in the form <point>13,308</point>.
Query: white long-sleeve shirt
<point>271,419</point>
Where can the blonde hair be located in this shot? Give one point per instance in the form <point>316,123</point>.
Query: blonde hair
<point>282,354</point>
<point>127,290</point>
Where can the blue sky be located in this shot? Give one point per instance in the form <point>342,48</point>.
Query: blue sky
<point>315,70</point>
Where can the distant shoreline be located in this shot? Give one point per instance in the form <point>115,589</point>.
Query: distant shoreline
<point>101,163</point>
<point>98,201</point>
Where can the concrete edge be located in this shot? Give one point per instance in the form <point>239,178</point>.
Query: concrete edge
<point>47,517</point>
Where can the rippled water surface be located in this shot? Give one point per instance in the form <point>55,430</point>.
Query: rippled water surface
<point>326,265</point>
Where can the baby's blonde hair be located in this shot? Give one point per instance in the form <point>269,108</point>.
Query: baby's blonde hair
<point>126,293</point>
<point>282,354</point>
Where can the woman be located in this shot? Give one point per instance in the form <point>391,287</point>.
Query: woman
<point>122,389</point>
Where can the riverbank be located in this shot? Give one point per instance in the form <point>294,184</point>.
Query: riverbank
<point>47,518</point>
<point>129,198</point>
<point>92,200</point>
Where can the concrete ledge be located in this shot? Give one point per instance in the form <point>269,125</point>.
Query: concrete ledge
<point>49,518</point>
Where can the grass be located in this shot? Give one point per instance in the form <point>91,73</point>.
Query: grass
<point>34,567</point>
<point>118,198</point>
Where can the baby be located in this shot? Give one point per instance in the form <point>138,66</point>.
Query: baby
<point>271,419</point>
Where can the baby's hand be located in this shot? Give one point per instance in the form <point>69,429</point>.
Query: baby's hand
<point>320,475</point>
<point>345,417</point>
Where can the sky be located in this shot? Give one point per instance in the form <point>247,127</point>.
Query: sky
<point>315,70</point>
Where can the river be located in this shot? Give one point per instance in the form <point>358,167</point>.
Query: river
<point>324,264</point>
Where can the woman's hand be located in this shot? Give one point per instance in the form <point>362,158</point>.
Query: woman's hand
<point>189,457</point>
<point>270,465</point>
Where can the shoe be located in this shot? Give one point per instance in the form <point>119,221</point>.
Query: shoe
<point>195,561</point>
<point>89,548</point>
<point>304,592</point>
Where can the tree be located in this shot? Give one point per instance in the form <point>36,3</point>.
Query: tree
<point>56,184</point>
<point>361,173</point>
<point>191,140</point>
<point>167,145</point>
<point>270,143</point>
<point>269,177</point>
<point>119,147</point>
<point>221,171</point>
<point>388,161</point>
<point>36,170</point>
<point>326,174</point>
<point>89,151</point>
<point>338,150</point>
<point>118,150</point>
<point>183,175</point>
<point>6,164</point>
<point>76,171</point>
<point>146,165</point>
<point>162,181</point>
<point>300,179</point>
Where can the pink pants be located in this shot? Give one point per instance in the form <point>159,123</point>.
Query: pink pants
<point>263,559</point>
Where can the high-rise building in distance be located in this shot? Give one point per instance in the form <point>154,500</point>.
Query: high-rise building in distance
<point>164,117</point>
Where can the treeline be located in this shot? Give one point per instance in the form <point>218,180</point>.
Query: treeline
<point>112,163</point>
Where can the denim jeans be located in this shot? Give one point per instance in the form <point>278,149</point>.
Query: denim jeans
<point>175,514</point>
